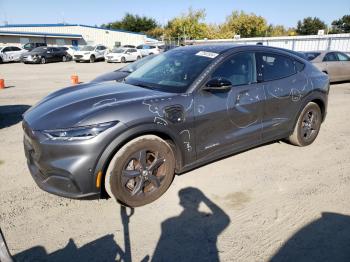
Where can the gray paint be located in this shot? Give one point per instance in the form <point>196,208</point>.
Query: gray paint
<point>203,125</point>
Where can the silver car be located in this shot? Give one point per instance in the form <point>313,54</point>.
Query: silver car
<point>335,64</point>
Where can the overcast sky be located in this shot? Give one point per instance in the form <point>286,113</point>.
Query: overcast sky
<point>93,12</point>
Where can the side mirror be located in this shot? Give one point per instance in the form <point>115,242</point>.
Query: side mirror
<point>218,84</point>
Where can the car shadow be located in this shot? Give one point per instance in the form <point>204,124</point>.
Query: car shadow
<point>192,235</point>
<point>325,239</point>
<point>11,114</point>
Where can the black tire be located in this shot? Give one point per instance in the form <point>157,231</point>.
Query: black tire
<point>123,60</point>
<point>64,58</point>
<point>307,126</point>
<point>141,171</point>
<point>77,61</point>
<point>138,58</point>
<point>1,60</point>
<point>43,60</point>
<point>92,59</point>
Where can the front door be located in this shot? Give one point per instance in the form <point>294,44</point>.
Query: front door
<point>284,85</point>
<point>230,120</point>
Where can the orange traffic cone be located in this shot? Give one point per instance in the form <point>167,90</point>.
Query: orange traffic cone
<point>74,79</point>
<point>2,83</point>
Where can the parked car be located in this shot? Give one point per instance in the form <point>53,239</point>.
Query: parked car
<point>184,108</point>
<point>90,53</point>
<point>31,46</point>
<point>43,55</point>
<point>335,64</point>
<point>121,73</point>
<point>123,55</point>
<point>10,53</point>
<point>70,50</point>
<point>148,50</point>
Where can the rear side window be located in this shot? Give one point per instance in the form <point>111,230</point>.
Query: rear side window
<point>299,66</point>
<point>274,66</point>
<point>330,57</point>
<point>343,57</point>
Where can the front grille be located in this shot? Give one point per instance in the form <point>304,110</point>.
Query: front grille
<point>78,56</point>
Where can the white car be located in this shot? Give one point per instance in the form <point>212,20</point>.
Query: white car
<point>148,50</point>
<point>123,55</point>
<point>90,53</point>
<point>11,53</point>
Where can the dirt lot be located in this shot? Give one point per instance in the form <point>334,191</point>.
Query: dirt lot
<point>276,202</point>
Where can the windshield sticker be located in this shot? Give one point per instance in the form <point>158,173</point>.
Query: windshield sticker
<point>207,54</point>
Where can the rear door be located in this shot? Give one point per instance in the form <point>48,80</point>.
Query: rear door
<point>345,68</point>
<point>283,85</point>
<point>230,120</point>
<point>333,66</point>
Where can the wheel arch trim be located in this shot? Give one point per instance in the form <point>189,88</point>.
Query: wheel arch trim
<point>140,130</point>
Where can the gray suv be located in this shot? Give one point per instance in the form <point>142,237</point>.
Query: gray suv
<point>184,108</point>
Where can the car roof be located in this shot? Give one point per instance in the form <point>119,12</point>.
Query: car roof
<point>222,48</point>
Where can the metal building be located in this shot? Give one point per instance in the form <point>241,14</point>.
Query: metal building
<point>339,42</point>
<point>67,35</point>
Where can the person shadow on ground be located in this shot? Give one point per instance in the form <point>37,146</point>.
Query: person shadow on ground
<point>191,236</point>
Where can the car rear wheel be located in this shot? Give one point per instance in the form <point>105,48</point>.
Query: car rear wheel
<point>43,60</point>
<point>64,58</point>
<point>138,58</point>
<point>92,59</point>
<point>307,126</point>
<point>141,171</point>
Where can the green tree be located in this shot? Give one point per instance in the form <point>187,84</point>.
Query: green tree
<point>341,25</point>
<point>190,25</point>
<point>245,25</point>
<point>133,23</point>
<point>310,26</point>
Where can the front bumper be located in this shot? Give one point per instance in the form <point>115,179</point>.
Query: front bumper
<point>81,57</point>
<point>65,168</point>
<point>31,60</point>
<point>112,59</point>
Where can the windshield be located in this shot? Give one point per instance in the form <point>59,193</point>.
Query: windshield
<point>133,66</point>
<point>173,71</point>
<point>118,50</point>
<point>87,48</point>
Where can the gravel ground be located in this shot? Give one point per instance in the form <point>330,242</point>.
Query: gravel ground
<point>275,202</point>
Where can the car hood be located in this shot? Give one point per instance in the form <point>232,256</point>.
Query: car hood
<point>115,54</point>
<point>34,53</point>
<point>112,76</point>
<point>82,52</point>
<point>85,105</point>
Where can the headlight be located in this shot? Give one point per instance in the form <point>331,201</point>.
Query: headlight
<point>78,133</point>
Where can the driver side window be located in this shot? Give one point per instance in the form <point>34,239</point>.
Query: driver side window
<point>239,69</point>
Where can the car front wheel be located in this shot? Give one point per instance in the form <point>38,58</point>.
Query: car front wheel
<point>141,171</point>
<point>307,126</point>
<point>43,60</point>
<point>64,58</point>
<point>92,59</point>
